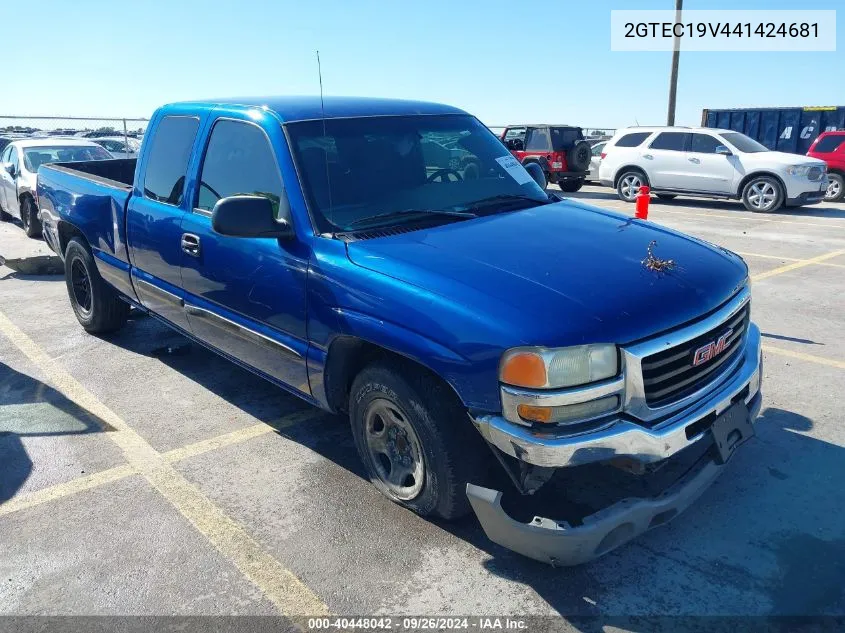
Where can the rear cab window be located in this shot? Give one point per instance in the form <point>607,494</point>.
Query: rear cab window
<point>167,164</point>
<point>672,141</point>
<point>634,139</point>
<point>239,160</point>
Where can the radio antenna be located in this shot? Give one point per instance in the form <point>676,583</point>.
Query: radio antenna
<point>325,135</point>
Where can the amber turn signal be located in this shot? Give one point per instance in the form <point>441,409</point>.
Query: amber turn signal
<point>534,414</point>
<point>524,369</point>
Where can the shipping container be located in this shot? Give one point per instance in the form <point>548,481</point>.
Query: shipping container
<point>783,129</point>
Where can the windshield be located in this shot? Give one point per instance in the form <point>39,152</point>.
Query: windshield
<point>744,143</point>
<point>381,171</point>
<point>34,157</point>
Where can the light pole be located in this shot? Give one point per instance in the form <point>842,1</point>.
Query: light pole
<point>673,75</point>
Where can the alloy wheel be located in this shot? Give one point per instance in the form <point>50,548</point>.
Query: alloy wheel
<point>762,195</point>
<point>834,188</point>
<point>630,186</point>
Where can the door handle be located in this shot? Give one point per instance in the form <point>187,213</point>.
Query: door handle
<point>648,156</point>
<point>191,244</point>
<point>694,160</point>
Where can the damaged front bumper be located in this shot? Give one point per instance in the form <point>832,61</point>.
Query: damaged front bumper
<point>563,543</point>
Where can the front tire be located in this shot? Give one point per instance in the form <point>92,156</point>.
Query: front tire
<point>628,185</point>
<point>415,440</point>
<point>96,304</point>
<point>835,188</point>
<point>571,186</point>
<point>29,218</point>
<point>762,194</point>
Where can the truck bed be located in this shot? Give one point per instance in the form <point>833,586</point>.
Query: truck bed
<point>91,196</point>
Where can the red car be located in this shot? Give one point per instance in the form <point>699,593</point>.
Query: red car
<point>830,147</point>
<point>560,150</point>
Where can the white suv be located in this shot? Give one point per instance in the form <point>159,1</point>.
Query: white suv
<point>711,163</point>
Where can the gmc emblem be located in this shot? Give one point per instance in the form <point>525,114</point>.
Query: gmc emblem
<point>711,350</point>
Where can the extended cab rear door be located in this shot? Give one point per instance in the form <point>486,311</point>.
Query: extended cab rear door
<point>156,208</point>
<point>245,296</point>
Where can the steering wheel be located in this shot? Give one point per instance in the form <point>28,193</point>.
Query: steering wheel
<point>441,175</point>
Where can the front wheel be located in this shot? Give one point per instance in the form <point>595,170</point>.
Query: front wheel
<point>571,186</point>
<point>763,194</point>
<point>835,188</point>
<point>29,218</point>
<point>96,304</point>
<point>415,439</point>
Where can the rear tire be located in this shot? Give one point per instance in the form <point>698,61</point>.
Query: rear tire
<point>835,188</point>
<point>628,185</point>
<point>762,194</point>
<point>96,304</point>
<point>414,438</point>
<point>29,218</point>
<point>571,186</point>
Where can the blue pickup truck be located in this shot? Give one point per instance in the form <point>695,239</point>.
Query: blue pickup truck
<point>486,338</point>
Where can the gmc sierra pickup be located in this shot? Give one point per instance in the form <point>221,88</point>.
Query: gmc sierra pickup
<point>483,336</point>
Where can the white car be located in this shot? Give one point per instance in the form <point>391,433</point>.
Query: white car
<point>595,161</point>
<point>711,163</point>
<point>19,165</point>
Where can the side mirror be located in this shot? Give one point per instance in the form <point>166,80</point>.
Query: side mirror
<point>536,172</point>
<point>724,151</point>
<point>10,167</point>
<point>251,216</point>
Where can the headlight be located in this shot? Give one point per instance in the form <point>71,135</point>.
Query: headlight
<point>798,170</point>
<point>540,368</point>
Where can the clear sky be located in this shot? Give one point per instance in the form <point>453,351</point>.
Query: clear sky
<point>506,62</point>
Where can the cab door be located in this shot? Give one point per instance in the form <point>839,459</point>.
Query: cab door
<point>245,296</point>
<point>155,212</point>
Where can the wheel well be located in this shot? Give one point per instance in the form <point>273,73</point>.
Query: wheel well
<point>25,194</point>
<point>756,174</point>
<point>627,168</point>
<point>348,355</point>
<point>838,172</point>
<point>68,231</point>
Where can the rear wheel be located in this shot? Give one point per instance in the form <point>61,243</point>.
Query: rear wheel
<point>762,194</point>
<point>835,188</point>
<point>29,217</point>
<point>628,185</point>
<point>571,186</point>
<point>414,438</point>
<point>96,304</point>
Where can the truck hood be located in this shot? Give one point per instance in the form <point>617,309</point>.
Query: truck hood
<point>573,273</point>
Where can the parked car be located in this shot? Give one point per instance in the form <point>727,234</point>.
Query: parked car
<point>560,150</point>
<point>596,150</point>
<point>315,244</point>
<point>118,146</point>
<point>20,162</point>
<point>710,163</point>
<point>830,147</point>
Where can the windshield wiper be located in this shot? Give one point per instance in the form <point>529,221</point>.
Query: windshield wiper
<point>408,213</point>
<point>504,199</point>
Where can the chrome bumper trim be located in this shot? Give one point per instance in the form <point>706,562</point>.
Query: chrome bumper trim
<point>623,437</point>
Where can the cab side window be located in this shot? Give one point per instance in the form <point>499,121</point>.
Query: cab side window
<point>539,141</point>
<point>168,161</point>
<point>239,160</point>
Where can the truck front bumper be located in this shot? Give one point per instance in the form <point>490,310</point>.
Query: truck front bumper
<point>562,544</point>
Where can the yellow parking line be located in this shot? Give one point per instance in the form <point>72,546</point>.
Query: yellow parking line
<point>831,223</point>
<point>786,259</point>
<point>280,585</point>
<point>819,360</point>
<point>799,264</point>
<point>58,491</point>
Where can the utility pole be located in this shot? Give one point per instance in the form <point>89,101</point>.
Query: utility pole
<point>673,75</point>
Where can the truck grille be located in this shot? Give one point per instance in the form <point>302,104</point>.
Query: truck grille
<point>671,375</point>
<point>815,173</point>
